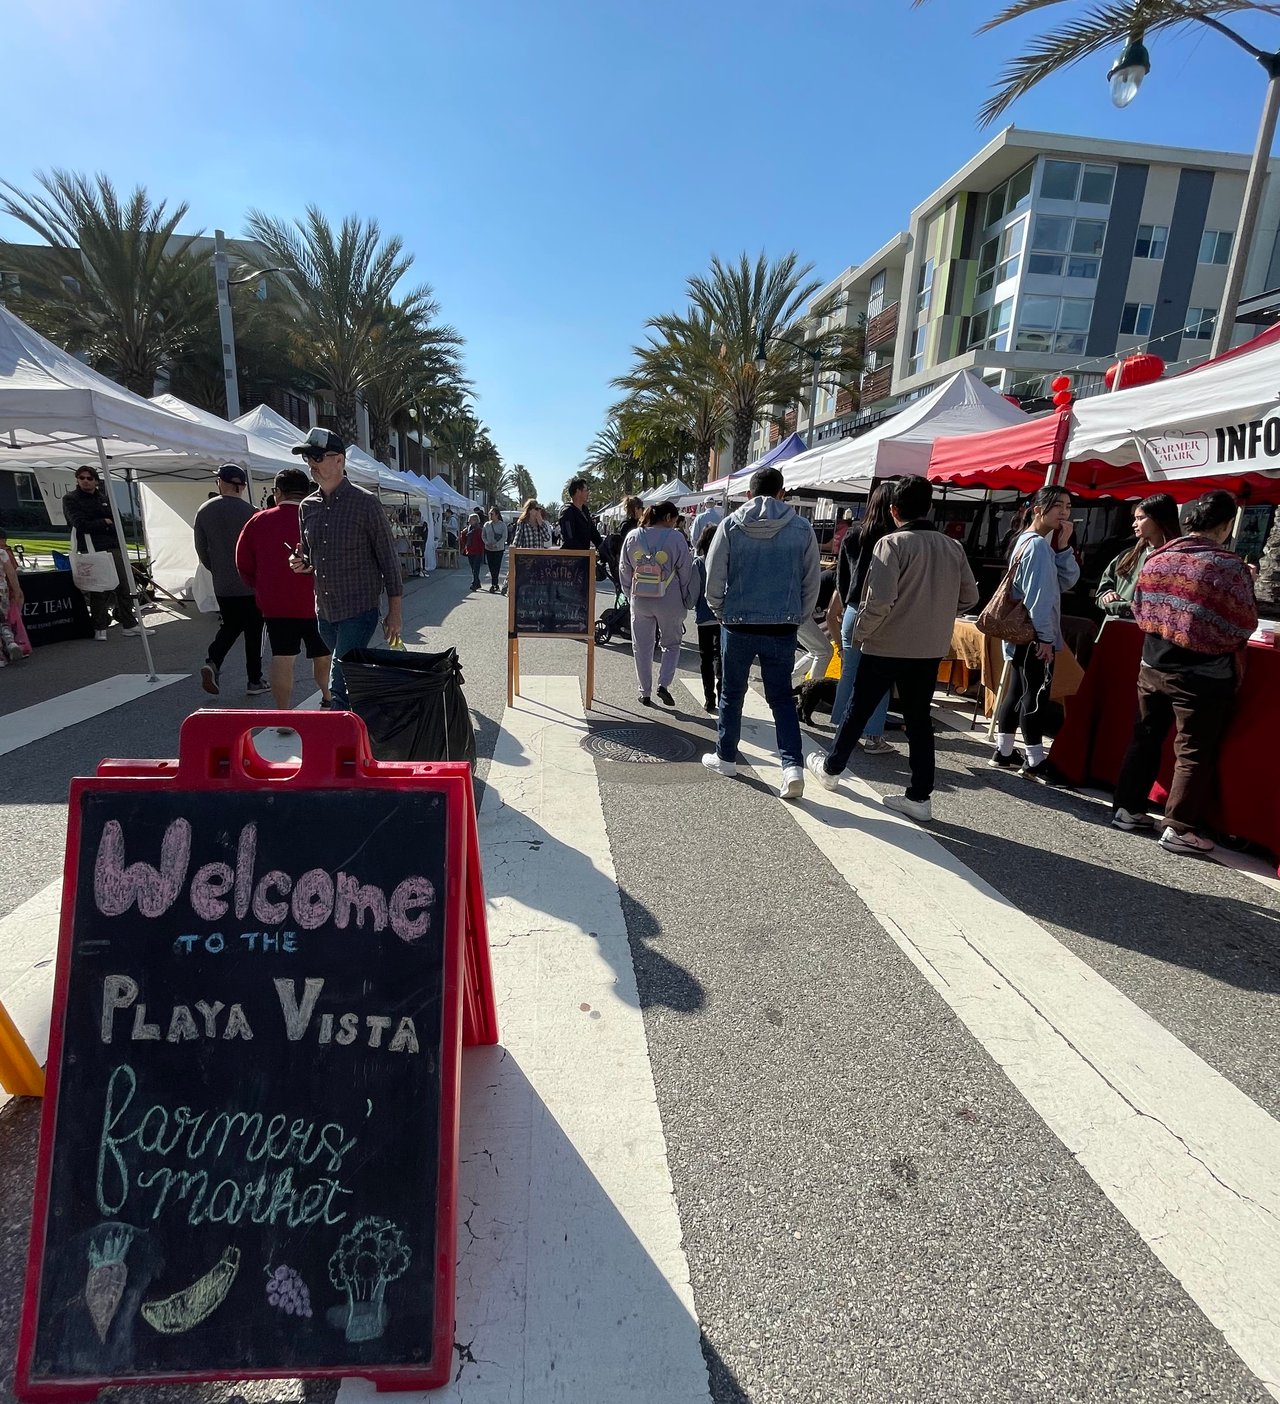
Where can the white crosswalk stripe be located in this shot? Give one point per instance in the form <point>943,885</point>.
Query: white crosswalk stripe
<point>1190,1161</point>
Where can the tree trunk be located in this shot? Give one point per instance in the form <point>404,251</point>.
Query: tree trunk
<point>1267,585</point>
<point>344,407</point>
<point>379,439</point>
<point>743,422</point>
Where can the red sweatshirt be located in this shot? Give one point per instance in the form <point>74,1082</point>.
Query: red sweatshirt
<point>262,558</point>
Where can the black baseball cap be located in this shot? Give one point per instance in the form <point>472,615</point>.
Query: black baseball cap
<point>233,473</point>
<point>319,442</point>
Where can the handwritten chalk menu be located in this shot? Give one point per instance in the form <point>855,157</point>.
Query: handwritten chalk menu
<point>242,1173</point>
<point>552,592</point>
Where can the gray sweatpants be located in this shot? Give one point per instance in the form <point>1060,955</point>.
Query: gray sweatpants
<point>651,619</point>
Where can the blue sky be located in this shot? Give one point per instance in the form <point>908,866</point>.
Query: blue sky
<point>560,168</point>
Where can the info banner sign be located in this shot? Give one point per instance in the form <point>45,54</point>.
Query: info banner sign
<point>550,595</point>
<point>248,1159</point>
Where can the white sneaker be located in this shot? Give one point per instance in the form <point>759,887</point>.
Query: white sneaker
<point>792,786</point>
<point>1122,819</point>
<point>132,632</point>
<point>1174,842</point>
<point>721,767</point>
<point>919,810</point>
<point>815,763</point>
<point>878,746</point>
<point>100,635</point>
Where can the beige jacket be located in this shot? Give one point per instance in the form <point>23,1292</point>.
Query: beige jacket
<point>918,583</point>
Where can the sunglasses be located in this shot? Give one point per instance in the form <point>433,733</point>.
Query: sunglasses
<point>85,478</point>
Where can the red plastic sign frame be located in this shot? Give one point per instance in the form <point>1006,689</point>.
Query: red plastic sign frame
<point>216,754</point>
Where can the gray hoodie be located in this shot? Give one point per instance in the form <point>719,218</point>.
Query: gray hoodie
<point>763,566</point>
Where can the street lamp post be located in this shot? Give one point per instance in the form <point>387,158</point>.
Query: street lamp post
<point>1126,77</point>
<point>814,354</point>
<point>226,327</point>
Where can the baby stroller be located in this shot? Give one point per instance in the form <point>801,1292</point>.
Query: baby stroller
<point>615,621</point>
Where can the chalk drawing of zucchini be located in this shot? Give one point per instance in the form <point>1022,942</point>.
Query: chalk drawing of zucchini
<point>189,1307</point>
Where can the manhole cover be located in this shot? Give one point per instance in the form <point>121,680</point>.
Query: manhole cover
<point>640,745</point>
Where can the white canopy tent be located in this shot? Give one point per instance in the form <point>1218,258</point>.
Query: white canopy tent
<point>901,444</point>
<point>672,488</point>
<point>55,412</point>
<point>169,506</point>
<point>1222,418</point>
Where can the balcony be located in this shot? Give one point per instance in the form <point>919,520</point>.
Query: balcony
<point>877,384</point>
<point>882,327</point>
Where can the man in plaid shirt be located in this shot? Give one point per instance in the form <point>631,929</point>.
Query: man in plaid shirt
<point>347,545</point>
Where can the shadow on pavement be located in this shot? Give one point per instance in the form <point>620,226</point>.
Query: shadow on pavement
<point>1231,940</point>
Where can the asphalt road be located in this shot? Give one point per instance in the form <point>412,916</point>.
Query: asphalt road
<point>871,1210</point>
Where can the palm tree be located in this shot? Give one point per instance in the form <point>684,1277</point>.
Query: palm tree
<point>522,481</point>
<point>1100,28</point>
<point>116,283</point>
<point>744,302</point>
<point>412,359</point>
<point>674,384</point>
<point>346,281</point>
<point>612,462</point>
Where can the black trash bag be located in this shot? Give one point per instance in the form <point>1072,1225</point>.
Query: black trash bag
<point>411,703</point>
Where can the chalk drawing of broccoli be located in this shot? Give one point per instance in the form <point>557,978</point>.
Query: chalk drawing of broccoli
<point>366,1259</point>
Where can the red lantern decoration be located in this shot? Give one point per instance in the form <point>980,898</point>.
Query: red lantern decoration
<point>1062,398</point>
<point>1140,369</point>
<point>1060,382</point>
<point>1013,400</point>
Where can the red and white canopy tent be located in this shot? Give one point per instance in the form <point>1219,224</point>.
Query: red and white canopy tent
<point>1215,426</point>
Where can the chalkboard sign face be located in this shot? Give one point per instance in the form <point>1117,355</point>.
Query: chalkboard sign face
<point>553,592</point>
<point>247,1144</point>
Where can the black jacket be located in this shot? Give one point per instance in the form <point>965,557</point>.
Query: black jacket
<point>89,515</point>
<point>577,530</point>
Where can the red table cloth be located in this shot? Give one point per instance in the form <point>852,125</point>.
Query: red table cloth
<point>1099,723</point>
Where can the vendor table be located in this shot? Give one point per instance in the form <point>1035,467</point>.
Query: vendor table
<point>53,609</point>
<point>1091,745</point>
<point>974,652</point>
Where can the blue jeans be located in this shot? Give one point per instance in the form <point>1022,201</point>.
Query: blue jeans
<point>341,636</point>
<point>777,655</point>
<point>850,656</point>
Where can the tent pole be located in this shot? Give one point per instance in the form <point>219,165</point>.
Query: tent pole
<point>124,556</point>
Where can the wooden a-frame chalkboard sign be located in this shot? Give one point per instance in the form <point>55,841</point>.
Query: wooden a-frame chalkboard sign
<point>248,1157</point>
<point>550,595</point>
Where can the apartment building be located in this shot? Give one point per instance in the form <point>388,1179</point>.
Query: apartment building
<point>1046,253</point>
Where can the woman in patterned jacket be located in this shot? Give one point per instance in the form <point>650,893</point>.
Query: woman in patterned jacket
<point>1195,604</point>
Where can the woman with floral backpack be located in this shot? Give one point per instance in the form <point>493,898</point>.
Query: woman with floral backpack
<point>657,576</point>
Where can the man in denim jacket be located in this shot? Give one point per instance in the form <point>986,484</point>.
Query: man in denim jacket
<point>763,574</point>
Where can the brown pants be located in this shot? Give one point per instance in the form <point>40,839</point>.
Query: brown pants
<point>1200,708</point>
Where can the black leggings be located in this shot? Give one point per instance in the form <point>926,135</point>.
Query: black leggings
<point>709,651</point>
<point>1026,702</point>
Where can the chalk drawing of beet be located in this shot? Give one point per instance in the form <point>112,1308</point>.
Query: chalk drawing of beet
<point>368,1258</point>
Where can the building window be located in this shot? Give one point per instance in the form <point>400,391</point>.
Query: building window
<point>917,351</point>
<point>1080,240</point>
<point>1096,185</point>
<point>1052,234</point>
<point>1135,320</point>
<point>1215,246</point>
<point>1151,241</point>
<point>1068,180</point>
<point>27,489</point>
<point>926,288</point>
<point>1053,324</point>
<point>991,328</point>
<point>1014,194</point>
<point>875,296</point>
<point>999,258</point>
<point>1060,181</point>
<point>1200,323</point>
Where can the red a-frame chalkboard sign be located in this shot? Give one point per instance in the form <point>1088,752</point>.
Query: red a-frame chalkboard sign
<point>248,1158</point>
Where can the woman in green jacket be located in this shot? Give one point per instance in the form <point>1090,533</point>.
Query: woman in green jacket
<point>1155,522</point>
